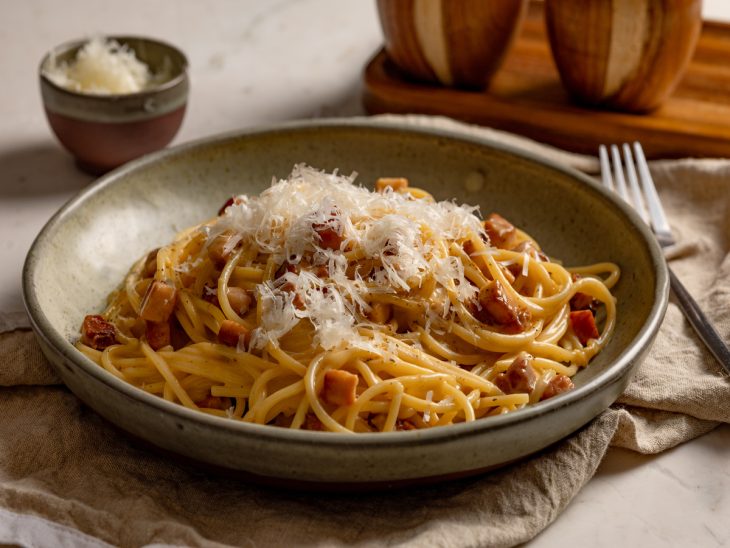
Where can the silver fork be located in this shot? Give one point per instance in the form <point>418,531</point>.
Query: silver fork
<point>645,201</point>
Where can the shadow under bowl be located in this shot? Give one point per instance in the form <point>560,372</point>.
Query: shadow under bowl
<point>85,250</point>
<point>105,131</point>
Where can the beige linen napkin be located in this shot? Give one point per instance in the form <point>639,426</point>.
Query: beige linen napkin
<point>67,477</point>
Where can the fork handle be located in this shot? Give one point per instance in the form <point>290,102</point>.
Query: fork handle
<point>700,323</point>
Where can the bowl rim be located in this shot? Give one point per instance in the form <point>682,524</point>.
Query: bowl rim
<point>377,440</point>
<point>114,97</point>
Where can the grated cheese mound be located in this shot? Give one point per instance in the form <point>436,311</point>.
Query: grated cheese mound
<point>406,234</point>
<point>101,67</point>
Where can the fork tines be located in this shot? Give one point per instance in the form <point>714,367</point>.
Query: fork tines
<point>642,197</point>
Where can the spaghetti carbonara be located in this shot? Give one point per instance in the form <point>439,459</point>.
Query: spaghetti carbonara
<point>322,305</point>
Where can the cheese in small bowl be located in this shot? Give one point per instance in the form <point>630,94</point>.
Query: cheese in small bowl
<point>102,66</point>
<point>112,99</point>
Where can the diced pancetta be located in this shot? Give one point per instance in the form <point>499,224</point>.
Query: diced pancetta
<point>529,247</point>
<point>220,248</point>
<point>233,334</point>
<point>581,301</point>
<point>312,422</point>
<point>214,402</point>
<point>496,308</point>
<point>398,184</point>
<point>159,302</point>
<point>501,232</point>
<point>329,232</point>
<point>520,376</point>
<point>584,325</point>
<point>157,334</point>
<point>339,387</point>
<point>98,333</point>
<point>557,385</point>
<point>404,424</point>
<point>328,236</point>
<point>240,299</point>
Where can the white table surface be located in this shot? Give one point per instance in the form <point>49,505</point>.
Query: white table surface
<point>256,62</point>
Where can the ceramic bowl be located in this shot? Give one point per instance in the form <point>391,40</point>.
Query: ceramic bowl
<point>87,247</point>
<point>105,131</point>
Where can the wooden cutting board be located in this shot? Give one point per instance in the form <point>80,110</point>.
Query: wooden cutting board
<point>526,97</point>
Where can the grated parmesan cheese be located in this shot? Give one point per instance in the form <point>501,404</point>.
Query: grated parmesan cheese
<point>101,67</point>
<point>525,263</point>
<point>405,234</point>
<point>427,412</point>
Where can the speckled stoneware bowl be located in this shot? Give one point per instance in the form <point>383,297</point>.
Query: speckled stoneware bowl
<point>87,247</point>
<point>104,131</point>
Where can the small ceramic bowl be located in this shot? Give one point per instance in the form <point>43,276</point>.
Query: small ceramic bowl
<point>105,131</point>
